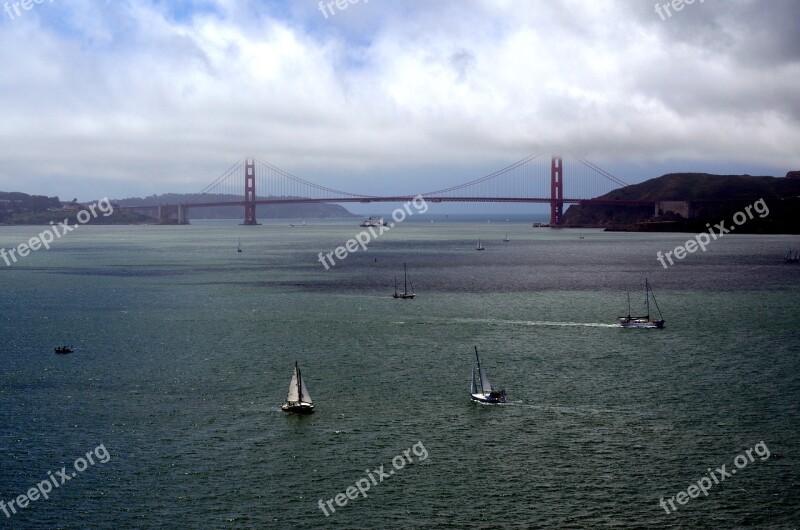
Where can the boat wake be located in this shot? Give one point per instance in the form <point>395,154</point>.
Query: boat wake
<point>578,410</point>
<point>532,323</point>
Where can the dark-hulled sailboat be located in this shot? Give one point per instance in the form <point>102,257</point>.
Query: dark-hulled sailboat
<point>406,281</point>
<point>644,322</point>
<point>481,389</point>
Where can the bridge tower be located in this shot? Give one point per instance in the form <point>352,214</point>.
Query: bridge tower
<point>556,191</point>
<point>250,192</point>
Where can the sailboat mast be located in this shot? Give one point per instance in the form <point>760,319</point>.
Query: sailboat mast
<point>299,384</point>
<point>656,302</point>
<point>480,370</point>
<point>405,279</point>
<point>647,296</point>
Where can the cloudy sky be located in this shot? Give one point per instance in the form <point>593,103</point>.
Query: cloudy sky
<point>134,97</point>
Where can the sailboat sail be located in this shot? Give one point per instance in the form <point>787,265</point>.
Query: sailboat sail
<point>294,395</point>
<point>487,386</point>
<point>473,389</point>
<point>298,400</point>
<point>486,394</point>
<point>304,395</point>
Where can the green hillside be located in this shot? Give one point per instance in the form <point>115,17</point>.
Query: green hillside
<point>717,197</point>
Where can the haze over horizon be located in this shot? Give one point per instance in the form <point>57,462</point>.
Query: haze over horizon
<point>139,97</point>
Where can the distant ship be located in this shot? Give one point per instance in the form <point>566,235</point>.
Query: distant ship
<point>405,295</point>
<point>373,222</point>
<point>644,322</point>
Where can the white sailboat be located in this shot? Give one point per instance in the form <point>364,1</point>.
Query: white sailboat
<point>479,247</point>
<point>644,322</point>
<point>481,389</point>
<point>406,280</point>
<point>298,399</point>
<point>505,239</point>
<point>239,248</point>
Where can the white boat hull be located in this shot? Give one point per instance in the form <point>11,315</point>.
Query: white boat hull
<point>488,398</point>
<point>640,323</point>
<point>298,408</point>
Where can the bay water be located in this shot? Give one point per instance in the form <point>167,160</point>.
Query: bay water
<point>184,350</point>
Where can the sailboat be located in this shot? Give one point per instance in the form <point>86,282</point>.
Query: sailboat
<point>298,400</point>
<point>406,281</point>
<point>643,322</point>
<point>239,248</point>
<point>479,247</point>
<point>505,239</point>
<point>481,389</point>
<point>580,234</point>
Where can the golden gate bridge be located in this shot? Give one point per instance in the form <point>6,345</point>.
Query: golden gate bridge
<point>534,179</point>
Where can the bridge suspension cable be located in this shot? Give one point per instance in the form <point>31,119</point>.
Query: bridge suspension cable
<point>601,171</point>
<point>302,182</point>
<point>528,178</point>
<point>485,178</point>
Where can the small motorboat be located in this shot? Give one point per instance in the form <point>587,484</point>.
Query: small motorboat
<point>63,350</point>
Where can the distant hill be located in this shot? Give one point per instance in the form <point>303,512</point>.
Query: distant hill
<point>16,204</point>
<point>263,211</point>
<point>713,198</point>
<point>22,209</point>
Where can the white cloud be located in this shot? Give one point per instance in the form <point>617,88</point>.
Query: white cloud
<point>131,97</point>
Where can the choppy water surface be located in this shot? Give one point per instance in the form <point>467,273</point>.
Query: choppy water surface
<point>184,350</point>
